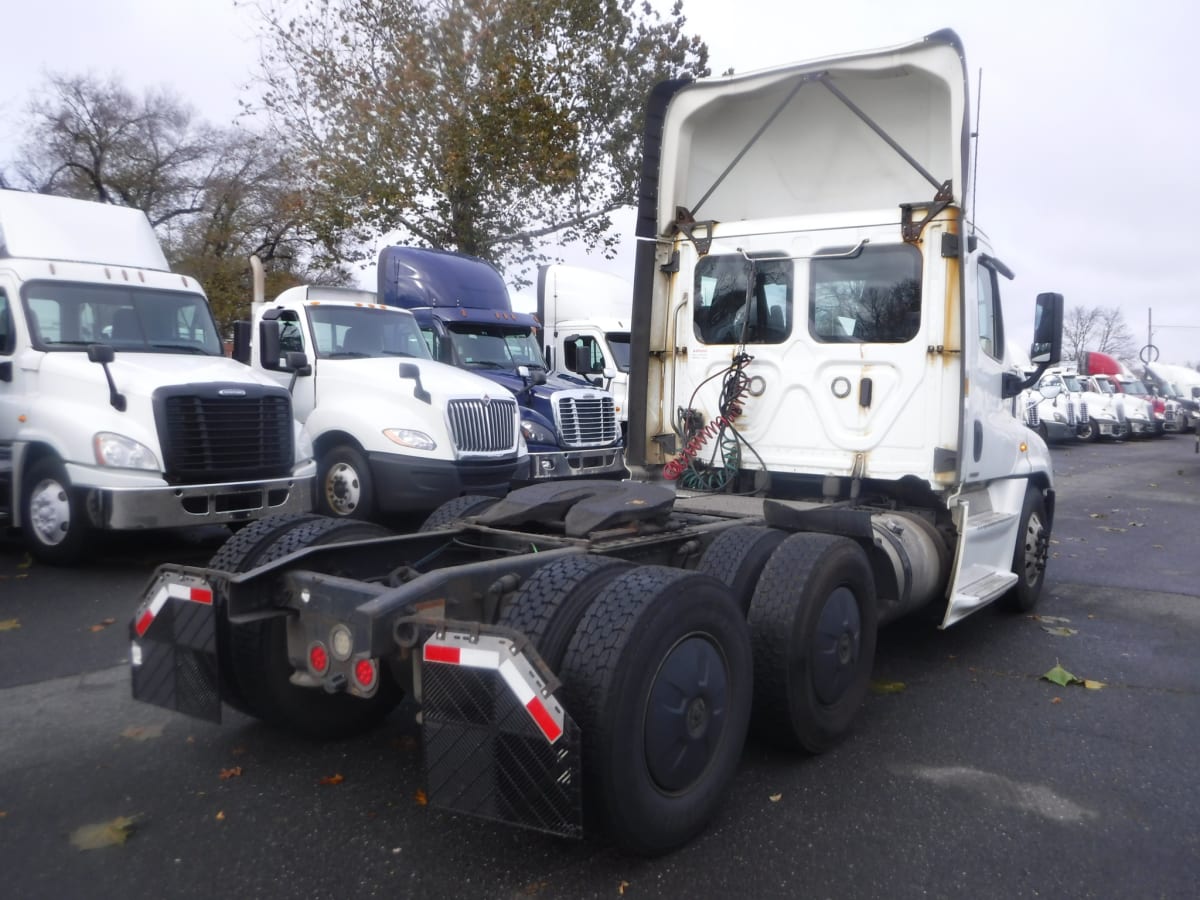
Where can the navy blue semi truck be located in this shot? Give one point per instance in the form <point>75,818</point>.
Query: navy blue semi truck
<point>463,308</point>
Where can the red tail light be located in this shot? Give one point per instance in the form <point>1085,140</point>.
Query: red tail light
<point>366,673</point>
<point>318,658</point>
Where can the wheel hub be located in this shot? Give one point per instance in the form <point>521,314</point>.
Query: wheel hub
<point>342,488</point>
<point>686,711</point>
<point>50,512</point>
<point>836,645</point>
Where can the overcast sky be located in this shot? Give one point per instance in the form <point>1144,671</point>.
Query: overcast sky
<point>1090,136</point>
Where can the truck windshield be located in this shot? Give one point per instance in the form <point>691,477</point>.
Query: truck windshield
<point>496,347</point>
<point>354,332</point>
<point>1073,384</point>
<point>618,343</point>
<point>67,316</point>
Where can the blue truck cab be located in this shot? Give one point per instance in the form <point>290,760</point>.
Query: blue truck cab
<point>462,306</point>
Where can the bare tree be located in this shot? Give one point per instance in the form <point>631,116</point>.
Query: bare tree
<point>1098,328</point>
<point>215,196</point>
<point>95,140</point>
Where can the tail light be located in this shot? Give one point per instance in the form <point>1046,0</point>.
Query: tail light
<point>366,674</point>
<point>318,658</point>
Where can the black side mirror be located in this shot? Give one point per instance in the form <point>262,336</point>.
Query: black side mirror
<point>241,341</point>
<point>1047,330</point>
<point>268,344</point>
<point>411,370</point>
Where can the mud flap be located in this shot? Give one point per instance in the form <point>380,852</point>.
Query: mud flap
<point>496,744</point>
<point>173,658</point>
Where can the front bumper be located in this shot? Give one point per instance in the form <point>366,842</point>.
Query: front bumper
<point>404,484</point>
<point>135,508</point>
<point>608,461</point>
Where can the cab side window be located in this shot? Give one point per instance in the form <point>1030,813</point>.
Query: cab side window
<point>290,336</point>
<point>583,356</point>
<point>7,338</point>
<point>991,324</point>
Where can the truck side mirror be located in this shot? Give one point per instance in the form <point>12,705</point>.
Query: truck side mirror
<point>1046,349</point>
<point>268,344</point>
<point>1047,330</point>
<point>531,377</point>
<point>297,361</point>
<point>241,341</point>
<point>413,371</point>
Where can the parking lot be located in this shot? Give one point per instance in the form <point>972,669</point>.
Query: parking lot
<point>968,774</point>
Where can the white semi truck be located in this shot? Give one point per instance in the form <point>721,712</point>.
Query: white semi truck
<point>118,408</point>
<point>393,431</point>
<point>585,318</point>
<point>818,358</point>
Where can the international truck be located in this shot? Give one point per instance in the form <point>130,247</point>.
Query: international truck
<point>1146,415</point>
<point>585,317</point>
<point>393,431</point>
<point>591,654</point>
<point>463,306</point>
<point>118,408</point>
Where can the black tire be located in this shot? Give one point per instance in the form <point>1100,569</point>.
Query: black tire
<point>255,654</point>
<point>737,558</point>
<point>345,489</point>
<point>658,677</point>
<point>1088,431</point>
<point>550,604</point>
<point>237,555</point>
<point>1030,554</point>
<point>52,518</point>
<point>448,514</point>
<point>813,623</point>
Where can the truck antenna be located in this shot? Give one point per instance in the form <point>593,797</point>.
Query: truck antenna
<point>975,137</point>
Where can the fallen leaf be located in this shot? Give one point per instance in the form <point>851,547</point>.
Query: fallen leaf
<point>26,562</point>
<point>103,834</point>
<point>142,732</point>
<point>1153,484</point>
<point>1057,620</point>
<point>9,624</point>
<point>1137,524</point>
<point>887,687</point>
<point>532,890</point>
<point>1056,700</point>
<point>220,816</point>
<point>3,814</point>
<point>621,887</point>
<point>190,740</point>
<point>101,625</point>
<point>1059,630</point>
<point>420,797</point>
<point>1098,515</point>
<point>237,751</point>
<point>1110,528</point>
<point>1061,676</point>
<point>775,798</point>
<point>336,778</point>
<point>234,772</point>
<point>1093,685</point>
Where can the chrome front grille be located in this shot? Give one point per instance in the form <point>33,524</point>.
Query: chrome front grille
<point>586,418</point>
<point>483,426</point>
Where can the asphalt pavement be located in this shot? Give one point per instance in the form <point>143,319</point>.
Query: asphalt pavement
<point>967,775</point>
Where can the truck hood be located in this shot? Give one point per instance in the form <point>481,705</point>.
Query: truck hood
<point>140,374</point>
<point>383,375</point>
<point>860,132</point>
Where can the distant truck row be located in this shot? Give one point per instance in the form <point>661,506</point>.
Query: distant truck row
<point>120,411</point>
<point>1098,397</point>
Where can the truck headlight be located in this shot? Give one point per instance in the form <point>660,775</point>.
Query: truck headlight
<point>537,434</point>
<point>405,437</point>
<point>122,452</point>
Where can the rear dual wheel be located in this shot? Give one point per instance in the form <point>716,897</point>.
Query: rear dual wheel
<point>813,622</point>
<point>658,677</point>
<point>255,668</point>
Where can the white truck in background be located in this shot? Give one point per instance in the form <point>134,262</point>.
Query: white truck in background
<point>585,318</point>
<point>392,430</point>
<point>118,408</point>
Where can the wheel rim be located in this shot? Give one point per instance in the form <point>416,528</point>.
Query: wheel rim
<point>837,645</point>
<point>50,512</point>
<point>342,489</point>
<point>686,712</point>
<point>1036,547</point>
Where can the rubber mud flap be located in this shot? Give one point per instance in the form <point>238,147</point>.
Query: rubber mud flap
<point>173,659</point>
